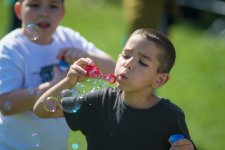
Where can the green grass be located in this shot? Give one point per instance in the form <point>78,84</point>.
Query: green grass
<point>197,80</point>
<point>197,85</point>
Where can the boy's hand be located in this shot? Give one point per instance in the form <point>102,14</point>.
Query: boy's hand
<point>72,54</point>
<point>77,72</point>
<point>183,144</point>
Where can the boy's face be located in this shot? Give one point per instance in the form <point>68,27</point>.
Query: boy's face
<point>137,65</point>
<point>47,14</point>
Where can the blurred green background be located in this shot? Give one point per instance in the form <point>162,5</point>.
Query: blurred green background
<point>197,82</point>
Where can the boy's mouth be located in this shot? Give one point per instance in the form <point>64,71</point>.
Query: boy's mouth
<point>43,25</point>
<point>122,76</point>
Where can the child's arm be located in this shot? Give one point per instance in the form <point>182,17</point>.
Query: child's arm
<point>103,61</point>
<point>183,144</point>
<point>21,100</point>
<point>75,74</point>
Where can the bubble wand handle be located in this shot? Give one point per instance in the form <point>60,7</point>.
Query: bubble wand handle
<point>94,72</point>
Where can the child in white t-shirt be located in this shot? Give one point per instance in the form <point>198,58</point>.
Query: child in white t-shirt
<point>28,68</point>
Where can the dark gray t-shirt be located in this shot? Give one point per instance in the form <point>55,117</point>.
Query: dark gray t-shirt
<point>109,124</point>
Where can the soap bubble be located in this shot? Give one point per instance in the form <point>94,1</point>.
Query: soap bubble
<point>66,93</point>
<point>75,146</point>
<point>32,31</point>
<point>81,88</point>
<point>50,104</point>
<point>36,139</point>
<point>71,104</point>
<point>96,85</point>
<point>72,99</point>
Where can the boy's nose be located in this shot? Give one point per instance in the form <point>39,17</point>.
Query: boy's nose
<point>43,15</point>
<point>130,63</point>
<point>44,12</point>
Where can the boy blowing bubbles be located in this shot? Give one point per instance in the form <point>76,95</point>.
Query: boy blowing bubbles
<point>130,116</point>
<point>27,68</point>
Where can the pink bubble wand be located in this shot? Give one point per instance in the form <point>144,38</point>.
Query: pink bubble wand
<point>94,72</point>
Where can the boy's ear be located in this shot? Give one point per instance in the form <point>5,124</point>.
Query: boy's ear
<point>161,79</point>
<point>17,8</point>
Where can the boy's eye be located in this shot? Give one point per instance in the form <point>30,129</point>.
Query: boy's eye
<point>34,5</point>
<point>125,56</point>
<point>143,64</point>
<point>54,6</point>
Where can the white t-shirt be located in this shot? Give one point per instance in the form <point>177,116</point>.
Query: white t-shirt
<point>24,64</point>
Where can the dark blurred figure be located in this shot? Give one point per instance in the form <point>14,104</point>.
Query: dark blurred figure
<point>14,22</point>
<point>156,14</point>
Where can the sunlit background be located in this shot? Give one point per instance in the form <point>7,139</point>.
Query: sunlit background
<point>197,82</point>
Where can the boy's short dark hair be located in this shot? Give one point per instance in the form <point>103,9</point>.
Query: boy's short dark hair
<point>167,56</point>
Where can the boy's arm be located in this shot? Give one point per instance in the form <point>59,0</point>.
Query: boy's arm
<point>21,100</point>
<point>52,92</point>
<point>179,126</point>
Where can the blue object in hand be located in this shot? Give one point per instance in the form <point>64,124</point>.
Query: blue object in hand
<point>175,137</point>
<point>63,65</point>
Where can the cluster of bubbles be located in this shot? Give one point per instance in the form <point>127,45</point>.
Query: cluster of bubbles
<point>73,97</point>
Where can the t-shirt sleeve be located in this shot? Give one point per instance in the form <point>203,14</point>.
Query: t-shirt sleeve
<point>178,124</point>
<point>11,69</point>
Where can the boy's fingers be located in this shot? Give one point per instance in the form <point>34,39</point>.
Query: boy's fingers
<point>181,142</point>
<point>80,71</point>
<point>76,69</point>
<point>89,60</point>
<point>84,61</point>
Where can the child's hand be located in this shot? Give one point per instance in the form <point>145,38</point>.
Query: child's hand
<point>183,144</point>
<point>77,72</point>
<point>72,54</point>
